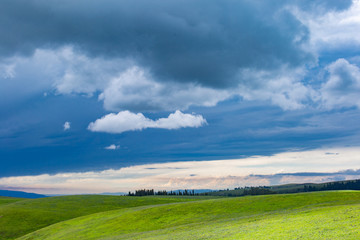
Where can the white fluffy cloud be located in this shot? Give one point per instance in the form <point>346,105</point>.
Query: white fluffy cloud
<point>66,126</point>
<point>112,147</point>
<point>334,30</point>
<point>121,83</point>
<point>135,89</point>
<point>128,121</point>
<point>84,75</point>
<point>342,88</point>
<point>283,88</point>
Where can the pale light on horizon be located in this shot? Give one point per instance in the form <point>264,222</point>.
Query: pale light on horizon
<point>321,165</point>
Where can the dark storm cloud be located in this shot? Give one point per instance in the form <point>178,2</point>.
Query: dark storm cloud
<point>188,41</point>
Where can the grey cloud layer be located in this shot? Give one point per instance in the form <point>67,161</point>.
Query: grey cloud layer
<point>186,41</point>
<point>160,55</point>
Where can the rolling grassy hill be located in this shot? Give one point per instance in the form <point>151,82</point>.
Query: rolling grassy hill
<point>315,215</point>
<point>19,216</point>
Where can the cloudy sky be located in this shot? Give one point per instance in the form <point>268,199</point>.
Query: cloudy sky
<point>111,95</point>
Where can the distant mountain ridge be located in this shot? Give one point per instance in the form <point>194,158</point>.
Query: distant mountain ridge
<point>19,194</point>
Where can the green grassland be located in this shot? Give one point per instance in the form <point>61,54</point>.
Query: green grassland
<point>7,200</point>
<point>19,216</point>
<point>315,215</point>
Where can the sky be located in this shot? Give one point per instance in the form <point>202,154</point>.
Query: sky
<point>112,96</point>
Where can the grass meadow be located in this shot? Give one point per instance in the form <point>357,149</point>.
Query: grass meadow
<point>22,216</point>
<point>7,200</point>
<point>314,215</point>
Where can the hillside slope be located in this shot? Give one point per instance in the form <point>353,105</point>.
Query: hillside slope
<point>314,215</point>
<point>22,217</point>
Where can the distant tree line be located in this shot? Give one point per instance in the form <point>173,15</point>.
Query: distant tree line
<point>242,191</point>
<point>264,190</point>
<point>257,191</point>
<point>151,192</point>
<point>341,185</point>
<point>261,190</point>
